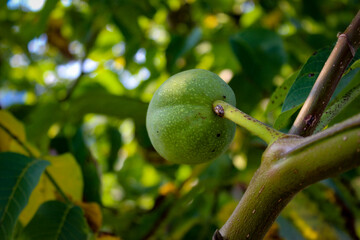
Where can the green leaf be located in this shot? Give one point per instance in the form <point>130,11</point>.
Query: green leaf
<point>66,172</point>
<point>108,104</point>
<point>306,79</point>
<point>278,97</point>
<point>323,197</point>
<point>39,120</point>
<point>78,147</point>
<point>92,182</point>
<point>304,82</point>
<point>348,94</point>
<point>114,137</point>
<point>56,220</point>
<point>337,107</point>
<point>90,174</point>
<point>247,93</point>
<point>219,171</point>
<point>180,45</point>
<point>34,28</point>
<point>342,198</point>
<point>283,119</point>
<point>18,177</point>
<point>125,15</point>
<point>179,232</point>
<point>348,80</point>
<point>261,54</point>
<point>314,215</point>
<point>341,186</point>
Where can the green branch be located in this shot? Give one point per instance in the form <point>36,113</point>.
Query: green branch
<point>330,75</point>
<point>288,166</point>
<point>48,175</point>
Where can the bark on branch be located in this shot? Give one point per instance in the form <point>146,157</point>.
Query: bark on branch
<point>330,75</point>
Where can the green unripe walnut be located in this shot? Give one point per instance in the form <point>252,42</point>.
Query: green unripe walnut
<point>181,123</point>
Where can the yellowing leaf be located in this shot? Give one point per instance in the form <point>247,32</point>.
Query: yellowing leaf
<point>14,126</point>
<point>67,173</point>
<point>303,226</point>
<point>5,140</point>
<point>16,147</point>
<point>211,21</point>
<point>167,188</point>
<point>92,214</point>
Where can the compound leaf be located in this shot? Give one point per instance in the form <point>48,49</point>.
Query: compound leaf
<point>18,177</point>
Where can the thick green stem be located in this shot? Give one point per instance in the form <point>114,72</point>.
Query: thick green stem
<point>268,134</point>
<point>289,165</point>
<point>265,197</point>
<point>329,77</point>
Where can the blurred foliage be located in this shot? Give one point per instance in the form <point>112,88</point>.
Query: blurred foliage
<point>76,78</point>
